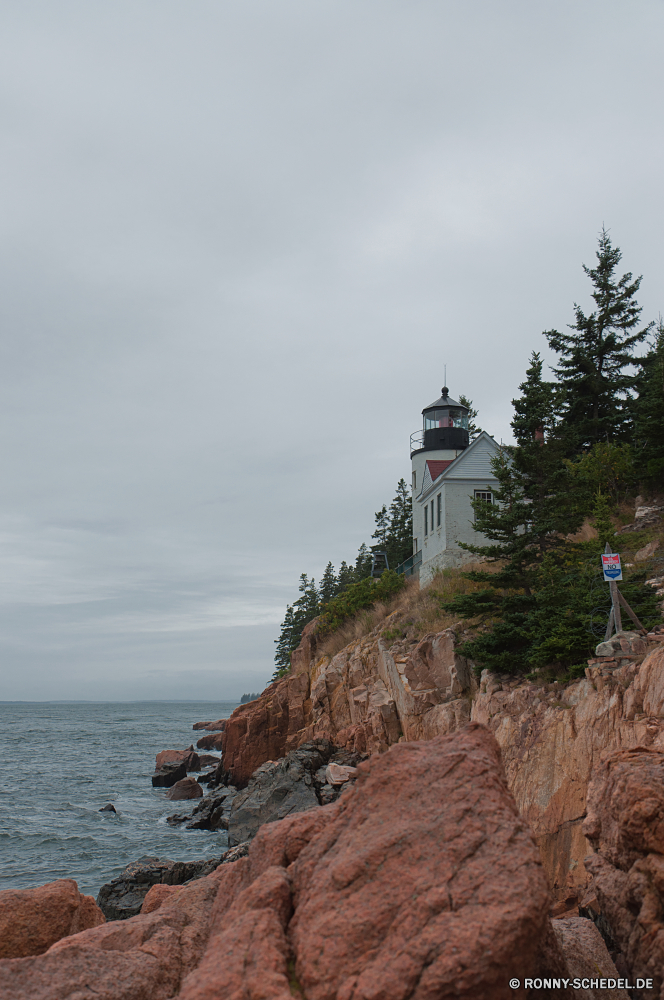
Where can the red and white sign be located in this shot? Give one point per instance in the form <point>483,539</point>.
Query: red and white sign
<point>611,566</point>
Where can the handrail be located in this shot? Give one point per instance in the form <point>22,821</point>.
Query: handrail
<point>416,440</point>
<point>409,565</point>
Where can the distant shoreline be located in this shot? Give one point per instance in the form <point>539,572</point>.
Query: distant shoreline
<point>115,701</point>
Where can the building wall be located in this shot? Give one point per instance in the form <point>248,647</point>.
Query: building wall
<point>418,467</point>
<point>458,526</point>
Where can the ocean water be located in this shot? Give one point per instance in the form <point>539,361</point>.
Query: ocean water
<point>61,762</point>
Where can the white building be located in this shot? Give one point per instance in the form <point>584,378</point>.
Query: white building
<point>448,471</point>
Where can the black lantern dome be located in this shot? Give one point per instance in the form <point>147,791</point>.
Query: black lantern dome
<point>445,424</point>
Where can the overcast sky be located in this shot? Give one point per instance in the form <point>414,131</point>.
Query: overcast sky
<point>239,242</point>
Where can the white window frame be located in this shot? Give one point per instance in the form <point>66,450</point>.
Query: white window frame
<point>486,495</point>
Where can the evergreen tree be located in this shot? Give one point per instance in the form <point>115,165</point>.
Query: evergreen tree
<point>346,576</point>
<point>394,537</point>
<point>399,543</point>
<point>594,357</point>
<point>526,530</point>
<point>534,503</point>
<point>363,563</point>
<point>382,530</point>
<point>284,644</point>
<point>305,608</point>
<point>606,533</point>
<point>329,585</point>
<point>473,428</point>
<point>649,412</point>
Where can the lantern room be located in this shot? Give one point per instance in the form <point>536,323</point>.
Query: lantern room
<point>445,424</point>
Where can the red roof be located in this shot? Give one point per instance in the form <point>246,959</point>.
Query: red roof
<point>436,467</point>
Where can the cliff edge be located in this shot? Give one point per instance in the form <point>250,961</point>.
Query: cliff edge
<point>373,694</point>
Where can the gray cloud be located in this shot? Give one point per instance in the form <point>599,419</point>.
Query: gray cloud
<point>239,243</point>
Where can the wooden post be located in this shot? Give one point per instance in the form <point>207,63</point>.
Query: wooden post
<point>615,605</point>
<point>617,599</point>
<point>614,618</point>
<point>630,612</point>
<point>609,627</point>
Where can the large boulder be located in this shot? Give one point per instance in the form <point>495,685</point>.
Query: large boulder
<point>211,727</point>
<point>622,644</point>
<point>123,897</point>
<point>587,957</point>
<point>212,813</point>
<point>167,775</point>
<point>185,788</point>
<point>31,920</point>
<point>301,780</point>
<point>213,741</point>
<point>625,825</point>
<point>420,882</point>
<point>208,760</point>
<point>189,758</point>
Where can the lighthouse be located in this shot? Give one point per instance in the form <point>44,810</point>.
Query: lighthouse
<point>449,471</point>
<point>443,437</point>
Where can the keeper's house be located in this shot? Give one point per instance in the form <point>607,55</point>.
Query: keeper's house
<point>448,471</point>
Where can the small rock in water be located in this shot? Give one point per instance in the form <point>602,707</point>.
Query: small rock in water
<point>108,808</point>
<point>169,774</point>
<point>186,788</point>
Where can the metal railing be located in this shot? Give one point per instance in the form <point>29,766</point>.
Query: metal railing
<point>416,440</point>
<point>410,565</point>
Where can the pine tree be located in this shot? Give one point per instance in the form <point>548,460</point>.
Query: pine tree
<point>284,644</point>
<point>473,429</point>
<point>594,357</point>
<point>535,503</point>
<point>649,412</point>
<point>347,575</point>
<point>305,608</point>
<point>400,536</point>
<point>363,563</point>
<point>526,531</point>
<point>606,532</point>
<point>329,585</point>
<point>382,530</point>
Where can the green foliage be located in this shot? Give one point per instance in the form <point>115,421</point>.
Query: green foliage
<point>607,468</point>
<point>329,585</point>
<point>346,577</point>
<point>556,624</point>
<point>649,412</point>
<point>363,562</point>
<point>603,523</point>
<point>594,359</point>
<point>297,616</point>
<point>394,532</point>
<point>357,597</point>
<point>394,527</point>
<point>540,605</point>
<point>473,428</point>
<point>390,635</point>
<point>284,645</point>
<point>534,504</point>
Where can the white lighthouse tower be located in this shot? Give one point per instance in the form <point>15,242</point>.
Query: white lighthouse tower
<point>448,472</point>
<point>443,437</point>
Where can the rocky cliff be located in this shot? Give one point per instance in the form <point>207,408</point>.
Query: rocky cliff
<point>373,694</point>
<point>421,882</point>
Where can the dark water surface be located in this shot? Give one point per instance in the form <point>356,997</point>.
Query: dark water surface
<point>62,761</point>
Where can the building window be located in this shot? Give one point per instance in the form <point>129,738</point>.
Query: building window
<point>439,506</point>
<point>432,521</point>
<point>414,480</point>
<point>426,520</point>
<point>485,495</point>
<point>414,546</point>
